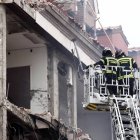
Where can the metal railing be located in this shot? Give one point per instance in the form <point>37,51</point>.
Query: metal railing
<point>135,114</point>
<point>95,80</point>
<point>117,120</point>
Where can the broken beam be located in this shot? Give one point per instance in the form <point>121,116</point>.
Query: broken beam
<point>20,113</point>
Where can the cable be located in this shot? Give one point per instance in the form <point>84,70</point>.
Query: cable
<point>80,66</point>
<point>97,19</point>
<point>107,36</point>
<point>80,63</point>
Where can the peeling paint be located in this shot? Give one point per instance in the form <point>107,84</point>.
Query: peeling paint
<point>33,92</point>
<point>39,100</point>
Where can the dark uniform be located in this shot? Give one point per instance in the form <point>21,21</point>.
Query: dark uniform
<point>107,62</point>
<point>125,74</point>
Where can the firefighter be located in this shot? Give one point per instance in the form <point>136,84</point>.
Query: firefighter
<point>125,72</point>
<point>109,63</point>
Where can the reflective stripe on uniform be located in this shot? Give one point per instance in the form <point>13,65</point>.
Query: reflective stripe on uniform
<point>111,60</point>
<point>110,71</point>
<point>102,61</point>
<point>125,60</point>
<point>126,76</point>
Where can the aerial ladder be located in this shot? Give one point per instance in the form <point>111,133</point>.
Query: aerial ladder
<point>124,108</point>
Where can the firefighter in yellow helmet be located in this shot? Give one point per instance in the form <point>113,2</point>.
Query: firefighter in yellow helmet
<point>125,74</point>
<point>109,62</point>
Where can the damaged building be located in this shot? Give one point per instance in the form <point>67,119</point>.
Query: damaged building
<point>42,55</point>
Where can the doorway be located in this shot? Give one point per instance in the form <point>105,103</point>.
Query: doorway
<point>18,86</point>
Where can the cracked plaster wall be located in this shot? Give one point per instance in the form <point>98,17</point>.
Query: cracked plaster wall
<point>67,94</point>
<point>37,60</point>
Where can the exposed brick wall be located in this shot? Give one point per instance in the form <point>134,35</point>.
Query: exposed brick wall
<point>119,42</point>
<point>116,39</point>
<point>104,41</point>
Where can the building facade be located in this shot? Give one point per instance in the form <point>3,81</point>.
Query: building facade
<point>135,53</point>
<point>115,38</point>
<point>41,80</point>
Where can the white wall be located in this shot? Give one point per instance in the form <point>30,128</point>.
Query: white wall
<point>37,60</point>
<point>61,38</point>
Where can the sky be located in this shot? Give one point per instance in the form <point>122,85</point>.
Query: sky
<point>125,13</point>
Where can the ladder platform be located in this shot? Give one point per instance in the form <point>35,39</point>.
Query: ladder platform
<point>103,103</point>
<point>97,107</point>
<point>114,97</point>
